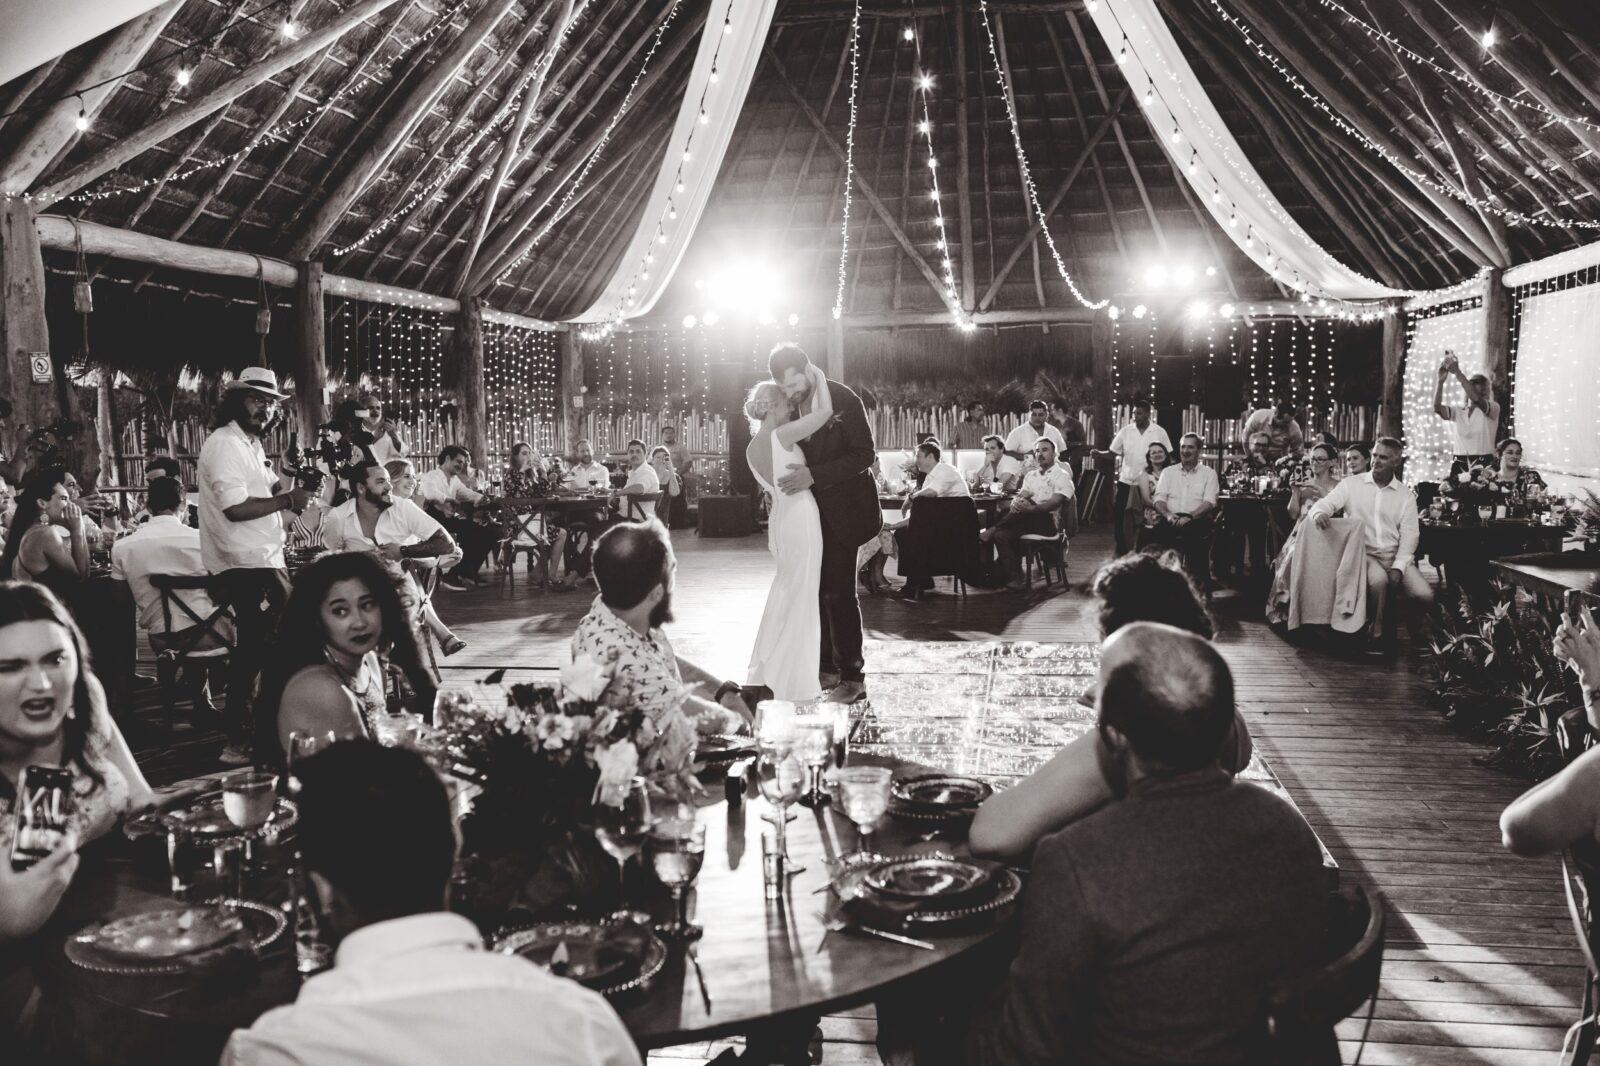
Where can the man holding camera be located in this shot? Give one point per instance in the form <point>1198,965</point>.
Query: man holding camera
<point>242,534</point>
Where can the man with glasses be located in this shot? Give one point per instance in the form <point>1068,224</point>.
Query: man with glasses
<point>242,534</point>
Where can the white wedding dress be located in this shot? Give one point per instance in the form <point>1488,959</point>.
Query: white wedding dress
<point>789,642</point>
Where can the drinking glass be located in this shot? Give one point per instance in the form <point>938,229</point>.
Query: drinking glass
<point>864,794</point>
<point>302,745</point>
<point>775,718</point>
<point>839,715</point>
<point>1485,512</point>
<point>248,797</point>
<point>781,776</point>
<point>676,848</point>
<point>187,858</point>
<point>813,741</point>
<point>621,830</point>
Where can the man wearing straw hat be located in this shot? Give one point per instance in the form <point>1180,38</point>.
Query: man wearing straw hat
<point>241,536</point>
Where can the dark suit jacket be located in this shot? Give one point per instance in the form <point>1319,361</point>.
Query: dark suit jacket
<point>840,456</point>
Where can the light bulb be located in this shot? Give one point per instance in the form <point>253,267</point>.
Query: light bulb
<point>1226,310</point>
<point>1488,37</point>
<point>1113,312</point>
<point>183,76</point>
<point>686,155</point>
<point>1177,135</point>
<point>649,257</point>
<point>704,118</point>
<point>923,127</point>
<point>680,185</point>
<point>727,25</point>
<point>1149,95</point>
<point>933,194</point>
<point>82,121</point>
<point>794,319</point>
<point>932,162</point>
<point>1122,53</point>
<point>925,82</point>
<point>672,213</point>
<point>910,34</point>
<point>662,238</point>
<point>1139,311</point>
<point>939,244</point>
<point>1233,220</point>
<point>1093,6</point>
<point>1194,162</point>
<point>713,78</point>
<point>289,29</point>
<point>1216,195</point>
<point>711,318</point>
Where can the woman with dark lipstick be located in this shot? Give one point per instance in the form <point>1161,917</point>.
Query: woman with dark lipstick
<point>344,617</point>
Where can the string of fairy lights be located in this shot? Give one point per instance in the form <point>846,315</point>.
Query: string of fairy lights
<point>1511,216</point>
<point>941,243</point>
<point>519,375</point>
<point>1553,377</point>
<point>849,161</point>
<point>117,184</point>
<point>1459,327</point>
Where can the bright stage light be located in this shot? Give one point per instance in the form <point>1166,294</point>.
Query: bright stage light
<point>1211,271</point>
<point>711,318</point>
<point>1200,309</point>
<point>1140,311</point>
<point>689,321</point>
<point>1155,276</point>
<point>910,34</point>
<point>1183,275</point>
<point>794,319</point>
<point>1113,312</point>
<point>1226,310</point>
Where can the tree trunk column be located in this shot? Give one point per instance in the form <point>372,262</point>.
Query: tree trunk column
<point>1100,351</point>
<point>570,393</point>
<point>23,329</point>
<point>469,383</point>
<point>1394,372</point>
<point>310,353</point>
<point>1497,346</point>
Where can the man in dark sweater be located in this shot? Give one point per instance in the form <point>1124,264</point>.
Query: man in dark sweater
<point>1153,930</point>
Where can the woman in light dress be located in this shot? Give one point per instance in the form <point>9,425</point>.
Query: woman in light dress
<point>790,638</point>
<point>1324,476</point>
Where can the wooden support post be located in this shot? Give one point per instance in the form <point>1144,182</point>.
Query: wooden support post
<point>310,355</point>
<point>1100,351</point>
<point>569,365</point>
<point>835,367</point>
<point>1394,373</point>
<point>105,427</point>
<point>963,179</point>
<point>469,383</point>
<point>1497,344</point>
<point>22,327</point>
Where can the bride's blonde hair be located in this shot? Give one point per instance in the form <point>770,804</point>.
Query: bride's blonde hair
<point>760,402</point>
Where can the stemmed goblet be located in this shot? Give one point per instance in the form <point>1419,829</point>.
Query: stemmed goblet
<point>676,849</point>
<point>622,829</point>
<point>814,745</point>
<point>781,777</point>
<point>864,794</point>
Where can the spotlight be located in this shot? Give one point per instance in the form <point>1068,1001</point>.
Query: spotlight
<point>794,319</point>
<point>689,321</point>
<point>910,34</point>
<point>1199,309</point>
<point>925,82</point>
<point>183,76</point>
<point>1183,276</point>
<point>1156,277</point>
<point>1139,311</point>
<point>1226,310</point>
<point>967,325</point>
<point>710,318</point>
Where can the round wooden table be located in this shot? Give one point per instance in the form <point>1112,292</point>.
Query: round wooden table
<point>768,965</point>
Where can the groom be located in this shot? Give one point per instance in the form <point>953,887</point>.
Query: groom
<point>838,460</point>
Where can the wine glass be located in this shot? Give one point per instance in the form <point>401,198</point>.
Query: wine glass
<point>839,714</point>
<point>248,797</point>
<point>676,848</point>
<point>813,745</point>
<point>621,830</point>
<point>781,777</point>
<point>304,743</point>
<point>864,793</point>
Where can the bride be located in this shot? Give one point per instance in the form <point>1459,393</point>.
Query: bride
<point>789,643</point>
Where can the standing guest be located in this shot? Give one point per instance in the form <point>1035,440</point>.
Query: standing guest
<point>387,443</point>
<point>683,467</point>
<point>1511,473</point>
<point>164,545</point>
<point>411,982</point>
<point>242,536</point>
<point>939,478</point>
<point>46,542</point>
<point>1284,436</point>
<point>53,713</point>
<point>997,466</point>
<point>449,498</point>
<point>1130,445</point>
<point>1045,489</point>
<point>1186,499</point>
<point>161,466</point>
<point>1141,515</point>
<point>1020,441</point>
<point>1476,421</point>
<point>671,483</point>
<point>1152,929</point>
<point>969,432</point>
<point>586,473</point>
<point>1388,512</point>
<point>1072,433</point>
<point>1357,459</point>
<point>642,479</point>
<point>403,479</point>
<point>344,618</point>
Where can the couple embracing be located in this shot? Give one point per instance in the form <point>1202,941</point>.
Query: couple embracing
<point>812,449</point>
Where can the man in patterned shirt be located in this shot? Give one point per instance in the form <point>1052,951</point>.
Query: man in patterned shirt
<point>633,565</point>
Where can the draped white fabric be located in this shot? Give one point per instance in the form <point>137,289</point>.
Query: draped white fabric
<point>35,31</point>
<point>1154,58</point>
<point>1430,440</point>
<point>736,54</point>
<point>1558,381</point>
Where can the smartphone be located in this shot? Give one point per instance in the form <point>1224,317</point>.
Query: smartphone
<point>1572,605</point>
<point>44,813</point>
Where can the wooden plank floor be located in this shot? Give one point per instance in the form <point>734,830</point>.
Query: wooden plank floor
<point>1481,966</point>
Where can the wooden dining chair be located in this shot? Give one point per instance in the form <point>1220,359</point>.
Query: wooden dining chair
<point>189,647</point>
<point>1302,1012</point>
<point>638,506</point>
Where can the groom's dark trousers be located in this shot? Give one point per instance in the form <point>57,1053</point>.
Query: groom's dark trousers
<point>840,456</point>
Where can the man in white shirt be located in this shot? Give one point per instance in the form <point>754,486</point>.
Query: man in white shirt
<point>1476,422</point>
<point>1045,489</point>
<point>411,982</point>
<point>1284,436</point>
<point>449,499</point>
<point>939,478</point>
<point>583,527</point>
<point>642,477</point>
<point>241,536</point>
<point>375,519</point>
<point>586,474</point>
<point>1130,446</point>
<point>387,443</point>
<point>1387,510</point>
<point>1020,441</point>
<point>164,545</point>
<point>1186,499</point>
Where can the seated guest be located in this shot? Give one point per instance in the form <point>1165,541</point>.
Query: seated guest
<point>1357,459</point>
<point>1278,423</point>
<point>1045,489</point>
<point>449,497</point>
<point>53,713</point>
<point>403,479</point>
<point>1255,461</point>
<point>1140,587</point>
<point>344,618</point>
<point>580,529</point>
<point>586,473</point>
<point>1186,500</point>
<point>634,565</point>
<point>164,545</point>
<point>997,467</point>
<point>1324,477</point>
<point>75,493</point>
<point>1511,473</point>
<point>411,982</point>
<point>1388,512</point>
<point>375,519</point>
<point>522,477</point>
<point>1153,929</point>
<point>46,542</point>
<point>642,478</point>
<point>1020,441</point>
<point>671,484</point>
<point>939,478</point>
<point>1564,811</point>
<point>1140,515</point>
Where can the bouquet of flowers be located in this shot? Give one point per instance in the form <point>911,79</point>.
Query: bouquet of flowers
<point>1476,486</point>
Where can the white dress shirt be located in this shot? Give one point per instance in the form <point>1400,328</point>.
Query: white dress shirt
<point>1388,513</point>
<point>421,990</point>
<point>1184,490</point>
<point>1040,485</point>
<point>1006,467</point>
<point>1131,447</point>
<point>163,545</point>
<point>643,476</point>
<point>402,523</point>
<point>1474,429</point>
<point>445,490</point>
<point>944,480</point>
<point>583,475</point>
<point>233,468</point>
<point>1024,437</point>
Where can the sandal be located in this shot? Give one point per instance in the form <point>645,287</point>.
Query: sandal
<point>453,645</point>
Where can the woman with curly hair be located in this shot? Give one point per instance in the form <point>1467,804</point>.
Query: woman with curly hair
<point>346,615</point>
<point>47,542</point>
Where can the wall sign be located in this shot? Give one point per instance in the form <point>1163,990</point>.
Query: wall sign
<point>39,363</point>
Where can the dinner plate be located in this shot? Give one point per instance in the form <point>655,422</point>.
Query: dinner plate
<point>150,937</point>
<point>1001,891</point>
<point>167,933</point>
<point>941,791</point>
<point>605,957</point>
<point>723,748</point>
<point>924,878</point>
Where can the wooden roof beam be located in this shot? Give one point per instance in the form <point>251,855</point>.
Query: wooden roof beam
<point>1507,14</point>
<point>877,171</point>
<point>180,118</point>
<point>1083,130</point>
<point>811,146</point>
<point>963,177</point>
<point>14,104</point>
<point>1022,178</point>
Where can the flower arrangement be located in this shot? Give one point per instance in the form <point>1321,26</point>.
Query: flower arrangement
<point>1478,485</point>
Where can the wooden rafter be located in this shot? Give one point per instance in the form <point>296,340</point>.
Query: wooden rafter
<point>1083,131</point>
<point>14,104</point>
<point>963,168</point>
<point>877,173</point>
<point>804,168</point>
<point>905,186</point>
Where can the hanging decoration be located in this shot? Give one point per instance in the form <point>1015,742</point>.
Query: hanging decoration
<point>519,372</point>
<point>1556,379</point>
<point>941,244</point>
<point>849,161</point>
<point>1431,330</point>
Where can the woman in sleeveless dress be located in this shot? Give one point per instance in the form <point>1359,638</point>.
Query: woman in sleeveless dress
<point>345,618</point>
<point>47,544</point>
<point>790,638</point>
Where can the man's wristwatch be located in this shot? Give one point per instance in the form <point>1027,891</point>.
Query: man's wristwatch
<point>725,688</point>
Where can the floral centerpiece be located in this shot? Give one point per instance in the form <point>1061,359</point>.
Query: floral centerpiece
<point>545,757</point>
<point>1476,487</point>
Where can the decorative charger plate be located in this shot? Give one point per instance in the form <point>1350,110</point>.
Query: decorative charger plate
<point>926,878</point>
<point>167,941</point>
<point>941,791</point>
<point>723,748</point>
<point>1002,890</point>
<point>607,958</point>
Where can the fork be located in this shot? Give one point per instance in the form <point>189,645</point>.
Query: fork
<point>839,925</point>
